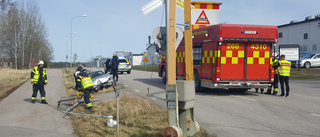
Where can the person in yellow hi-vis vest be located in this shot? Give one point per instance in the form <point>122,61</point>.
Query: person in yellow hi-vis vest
<point>38,80</point>
<point>284,74</point>
<point>84,82</point>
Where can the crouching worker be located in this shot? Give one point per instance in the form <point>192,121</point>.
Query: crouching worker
<point>84,82</point>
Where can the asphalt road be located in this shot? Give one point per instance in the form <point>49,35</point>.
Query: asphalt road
<point>232,114</point>
<point>20,118</point>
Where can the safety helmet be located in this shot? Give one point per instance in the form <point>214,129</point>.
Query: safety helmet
<point>40,62</point>
<point>111,123</point>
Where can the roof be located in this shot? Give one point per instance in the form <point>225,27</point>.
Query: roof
<point>299,22</point>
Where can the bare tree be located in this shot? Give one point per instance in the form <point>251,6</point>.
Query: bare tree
<point>23,36</point>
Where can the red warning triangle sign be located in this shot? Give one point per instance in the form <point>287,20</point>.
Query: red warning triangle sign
<point>202,19</point>
<point>145,59</point>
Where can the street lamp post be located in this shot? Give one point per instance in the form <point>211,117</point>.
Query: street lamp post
<point>67,47</point>
<point>84,15</point>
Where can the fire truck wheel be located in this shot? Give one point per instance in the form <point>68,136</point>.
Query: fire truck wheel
<point>163,75</point>
<point>197,84</point>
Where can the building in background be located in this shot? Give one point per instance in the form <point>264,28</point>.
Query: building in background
<point>306,33</point>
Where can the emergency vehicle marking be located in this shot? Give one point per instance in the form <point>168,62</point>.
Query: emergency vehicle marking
<point>180,58</point>
<point>206,58</point>
<point>233,57</point>
<point>257,57</point>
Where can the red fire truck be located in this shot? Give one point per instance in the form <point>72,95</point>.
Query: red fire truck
<point>237,57</point>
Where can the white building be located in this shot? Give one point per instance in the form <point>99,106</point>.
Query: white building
<point>306,33</point>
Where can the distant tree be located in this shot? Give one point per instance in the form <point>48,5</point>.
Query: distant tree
<point>23,36</point>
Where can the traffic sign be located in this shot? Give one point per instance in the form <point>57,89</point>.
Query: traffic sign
<point>145,59</point>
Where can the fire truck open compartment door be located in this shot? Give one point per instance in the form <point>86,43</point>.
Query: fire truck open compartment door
<point>258,61</point>
<point>232,61</point>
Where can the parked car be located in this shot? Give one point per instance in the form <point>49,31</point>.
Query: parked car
<point>310,60</point>
<point>124,65</point>
<point>100,80</point>
<point>303,54</point>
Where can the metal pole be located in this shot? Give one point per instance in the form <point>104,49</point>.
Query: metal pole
<point>118,132</point>
<point>71,38</point>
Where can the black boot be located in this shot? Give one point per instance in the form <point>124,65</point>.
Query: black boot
<point>282,94</point>
<point>261,90</point>
<point>287,94</point>
<point>33,101</point>
<point>275,92</point>
<point>44,102</point>
<point>268,92</point>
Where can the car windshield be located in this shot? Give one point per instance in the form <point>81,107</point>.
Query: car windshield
<point>309,56</point>
<point>302,55</point>
<point>96,74</point>
<point>122,61</point>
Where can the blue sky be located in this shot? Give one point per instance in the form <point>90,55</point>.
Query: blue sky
<point>120,25</point>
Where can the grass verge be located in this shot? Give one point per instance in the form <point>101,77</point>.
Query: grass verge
<point>153,68</point>
<point>305,74</point>
<point>138,118</point>
<point>12,79</point>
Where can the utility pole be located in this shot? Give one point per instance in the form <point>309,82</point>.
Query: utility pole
<point>172,95</point>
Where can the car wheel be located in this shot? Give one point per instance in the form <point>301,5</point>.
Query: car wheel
<point>197,82</point>
<point>128,72</point>
<point>121,72</point>
<point>163,75</point>
<point>307,65</point>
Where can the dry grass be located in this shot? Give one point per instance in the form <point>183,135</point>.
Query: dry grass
<point>138,118</point>
<point>69,83</point>
<point>11,79</point>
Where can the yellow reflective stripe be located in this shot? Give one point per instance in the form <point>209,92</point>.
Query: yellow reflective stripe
<point>33,98</point>
<point>223,60</point>
<point>89,105</point>
<point>250,60</point>
<point>256,54</point>
<point>43,98</point>
<point>266,54</point>
<point>234,60</point>
<point>229,53</point>
<point>261,60</point>
<point>86,82</point>
<point>241,53</point>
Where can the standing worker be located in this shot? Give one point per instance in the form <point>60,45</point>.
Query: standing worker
<point>284,73</point>
<point>114,66</point>
<point>275,65</point>
<point>84,82</point>
<point>38,80</point>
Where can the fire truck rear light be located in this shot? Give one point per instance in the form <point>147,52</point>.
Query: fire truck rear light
<point>218,79</point>
<point>272,79</point>
<point>235,83</point>
<point>254,83</point>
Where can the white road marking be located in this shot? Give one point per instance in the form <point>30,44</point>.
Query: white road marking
<point>136,90</point>
<point>125,85</point>
<point>153,98</point>
<point>245,98</point>
<point>315,115</point>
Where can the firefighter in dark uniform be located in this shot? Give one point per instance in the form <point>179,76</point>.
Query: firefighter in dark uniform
<point>114,66</point>
<point>38,80</point>
<point>84,83</point>
<point>284,74</point>
<point>275,65</point>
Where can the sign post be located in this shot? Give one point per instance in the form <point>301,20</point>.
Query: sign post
<point>292,52</point>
